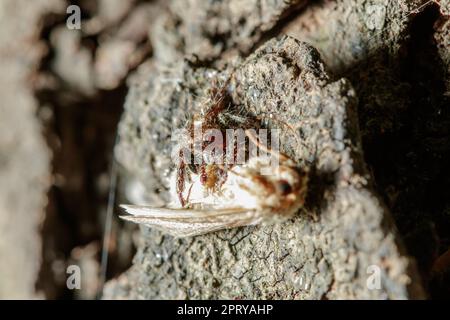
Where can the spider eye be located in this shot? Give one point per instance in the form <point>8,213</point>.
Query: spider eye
<point>284,187</point>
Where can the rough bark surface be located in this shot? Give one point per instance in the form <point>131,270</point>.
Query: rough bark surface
<point>376,44</point>
<point>326,251</point>
<point>207,29</point>
<point>396,55</point>
<point>372,113</point>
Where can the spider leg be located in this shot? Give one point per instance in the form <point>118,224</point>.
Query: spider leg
<point>189,192</point>
<point>203,174</point>
<point>181,171</point>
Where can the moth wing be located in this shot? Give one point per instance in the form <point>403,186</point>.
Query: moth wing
<point>190,222</point>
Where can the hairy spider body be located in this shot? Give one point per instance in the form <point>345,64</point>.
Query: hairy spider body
<point>218,113</point>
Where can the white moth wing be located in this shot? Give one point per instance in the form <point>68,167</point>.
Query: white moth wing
<point>190,222</point>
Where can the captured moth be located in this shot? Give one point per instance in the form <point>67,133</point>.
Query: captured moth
<point>245,198</point>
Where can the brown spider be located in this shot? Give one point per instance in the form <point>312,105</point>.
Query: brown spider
<point>219,115</point>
